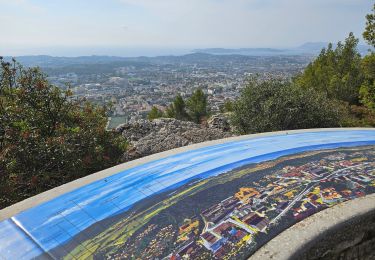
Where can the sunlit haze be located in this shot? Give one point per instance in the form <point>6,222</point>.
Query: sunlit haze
<point>120,27</point>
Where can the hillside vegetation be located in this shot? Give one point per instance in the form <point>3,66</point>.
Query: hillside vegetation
<point>46,137</point>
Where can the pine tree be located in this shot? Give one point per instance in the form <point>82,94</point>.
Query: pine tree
<point>180,108</point>
<point>367,90</point>
<point>197,105</point>
<point>336,72</point>
<point>177,109</point>
<point>154,113</point>
<point>369,33</point>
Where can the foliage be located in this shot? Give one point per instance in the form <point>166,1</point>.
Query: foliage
<point>197,106</point>
<point>180,108</point>
<point>276,105</point>
<point>154,113</point>
<point>369,33</point>
<point>227,107</point>
<point>46,137</point>
<point>170,112</point>
<point>357,116</point>
<point>367,90</point>
<point>336,72</point>
<point>177,109</point>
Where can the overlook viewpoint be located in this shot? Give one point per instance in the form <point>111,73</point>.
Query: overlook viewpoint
<point>187,129</point>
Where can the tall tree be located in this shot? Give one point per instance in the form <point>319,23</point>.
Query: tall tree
<point>367,90</point>
<point>197,105</point>
<point>369,33</point>
<point>180,108</point>
<point>336,72</point>
<point>177,109</point>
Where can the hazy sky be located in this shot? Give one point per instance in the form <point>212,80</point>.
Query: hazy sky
<point>39,26</point>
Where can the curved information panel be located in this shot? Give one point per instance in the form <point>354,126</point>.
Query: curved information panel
<point>221,201</point>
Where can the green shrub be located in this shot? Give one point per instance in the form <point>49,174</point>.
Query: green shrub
<point>357,116</point>
<point>276,105</point>
<point>46,137</point>
<point>154,113</point>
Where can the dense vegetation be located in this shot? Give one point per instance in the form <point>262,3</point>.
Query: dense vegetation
<point>46,137</point>
<point>335,72</point>
<point>276,105</point>
<point>367,91</point>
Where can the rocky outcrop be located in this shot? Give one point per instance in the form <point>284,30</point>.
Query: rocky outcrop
<point>220,121</point>
<point>149,137</point>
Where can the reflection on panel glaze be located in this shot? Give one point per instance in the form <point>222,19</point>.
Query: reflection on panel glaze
<point>218,202</point>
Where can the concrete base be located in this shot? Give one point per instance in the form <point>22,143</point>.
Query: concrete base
<point>354,239</point>
<point>345,231</point>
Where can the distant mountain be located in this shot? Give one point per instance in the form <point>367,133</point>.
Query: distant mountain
<point>309,48</point>
<point>242,51</point>
<point>87,63</point>
<point>210,55</point>
<point>51,61</point>
<point>316,47</point>
<point>312,47</point>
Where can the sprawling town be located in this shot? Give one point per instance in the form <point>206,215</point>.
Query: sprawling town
<point>134,85</point>
<point>294,192</point>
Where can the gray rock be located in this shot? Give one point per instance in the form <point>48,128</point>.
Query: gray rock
<point>220,121</point>
<point>149,137</point>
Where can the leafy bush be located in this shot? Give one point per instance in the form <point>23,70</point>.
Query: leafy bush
<point>357,116</point>
<point>227,106</point>
<point>46,137</point>
<point>154,113</point>
<point>276,105</point>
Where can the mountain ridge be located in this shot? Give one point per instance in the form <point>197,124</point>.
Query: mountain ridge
<point>308,48</point>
